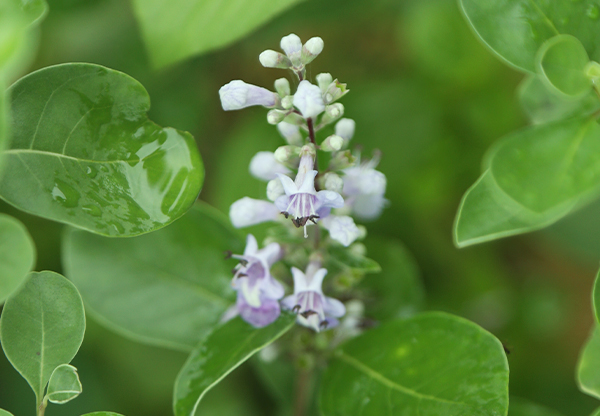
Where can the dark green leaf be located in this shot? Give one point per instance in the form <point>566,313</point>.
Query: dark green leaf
<point>522,407</point>
<point>41,327</point>
<point>177,29</point>
<point>167,288</point>
<point>542,105</point>
<point>588,368</point>
<point>561,62</point>
<point>64,384</point>
<point>432,364</point>
<point>515,29</point>
<point>84,153</point>
<point>17,255</point>
<point>221,352</point>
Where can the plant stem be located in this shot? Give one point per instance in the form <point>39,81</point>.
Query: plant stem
<point>303,388</point>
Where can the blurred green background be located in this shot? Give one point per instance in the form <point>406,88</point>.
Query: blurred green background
<point>428,95</point>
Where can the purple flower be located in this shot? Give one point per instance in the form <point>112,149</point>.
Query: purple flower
<point>314,309</point>
<point>301,200</point>
<point>265,314</point>
<point>365,188</point>
<point>237,95</point>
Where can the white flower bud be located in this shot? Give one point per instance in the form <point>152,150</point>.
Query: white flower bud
<point>275,116</point>
<point>333,182</point>
<point>237,94</point>
<point>324,80</point>
<point>291,45</point>
<point>335,91</point>
<point>264,166</point>
<point>311,49</point>
<point>282,86</point>
<point>291,133</point>
<point>274,189</point>
<point>345,128</point>
<point>284,153</point>
<point>308,99</point>
<point>273,59</point>
<point>287,102</point>
<point>332,144</point>
<point>332,113</point>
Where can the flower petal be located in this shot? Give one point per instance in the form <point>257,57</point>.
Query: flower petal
<point>251,246</point>
<point>334,307</point>
<point>288,184</point>
<point>341,228</point>
<point>300,283</point>
<point>264,166</point>
<point>264,315</point>
<point>247,211</point>
<point>330,199</point>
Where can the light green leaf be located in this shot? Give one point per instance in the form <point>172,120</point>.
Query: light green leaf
<point>102,414</point>
<point>64,384</point>
<point>344,259</point>
<point>543,105</point>
<point>560,62</point>
<point>221,352</point>
<point>177,29</point>
<point>17,255</point>
<point>596,412</point>
<point>487,213</point>
<point>84,153</point>
<point>5,413</point>
<point>522,407</point>
<point>588,368</point>
<point>430,365</point>
<point>41,327</point>
<point>167,288</point>
<point>515,29</point>
<point>4,124</point>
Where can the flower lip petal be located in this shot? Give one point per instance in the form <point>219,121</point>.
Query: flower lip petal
<point>308,99</point>
<point>289,186</point>
<point>330,199</point>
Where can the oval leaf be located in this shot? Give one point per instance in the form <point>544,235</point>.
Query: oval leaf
<point>166,288</point>
<point>64,384</point>
<point>84,153</point>
<point>177,29</point>
<point>432,364</point>
<point>221,352</point>
<point>17,255</point>
<point>41,327</point>
<point>588,374</point>
<point>561,62</point>
<point>515,29</point>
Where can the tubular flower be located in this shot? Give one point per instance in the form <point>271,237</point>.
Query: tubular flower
<point>314,309</point>
<point>301,200</point>
<point>237,95</point>
<point>365,188</point>
<point>248,211</point>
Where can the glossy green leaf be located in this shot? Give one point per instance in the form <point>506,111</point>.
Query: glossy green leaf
<point>64,384</point>
<point>397,291</point>
<point>41,327</point>
<point>17,255</point>
<point>588,368</point>
<point>522,407</point>
<point>166,288</point>
<point>515,29</point>
<point>432,364</point>
<point>221,352</point>
<point>543,105</point>
<point>561,62</point>
<point>5,413</point>
<point>84,153</point>
<point>177,29</point>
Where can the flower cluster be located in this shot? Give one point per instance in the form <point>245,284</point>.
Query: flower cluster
<point>298,193</point>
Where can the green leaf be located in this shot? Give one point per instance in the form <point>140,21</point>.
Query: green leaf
<point>84,153</point>
<point>515,29</point>
<point>177,29</point>
<point>588,374</point>
<point>543,105</point>
<point>41,327</point>
<point>596,412</point>
<point>102,414</point>
<point>522,407</point>
<point>345,258</point>
<point>17,255</point>
<point>561,62</point>
<point>64,384</point>
<point>432,364</point>
<point>221,352</point>
<point>487,213</point>
<point>397,291</point>
<point>5,413</point>
<point>167,288</point>
<point>4,124</point>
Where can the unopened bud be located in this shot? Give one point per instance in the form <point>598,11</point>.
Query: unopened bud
<point>287,102</point>
<point>273,59</point>
<point>311,49</point>
<point>345,128</point>
<point>323,81</point>
<point>291,133</point>
<point>334,92</point>
<point>282,86</point>
<point>292,46</point>
<point>275,116</point>
<point>332,182</point>
<point>332,113</point>
<point>332,144</point>
<point>284,154</point>
<point>308,150</point>
<point>274,189</point>
<point>342,160</point>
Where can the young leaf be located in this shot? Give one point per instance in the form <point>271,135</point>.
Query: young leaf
<point>432,364</point>
<point>166,288</point>
<point>64,384</point>
<point>41,327</point>
<point>522,407</point>
<point>543,105</point>
<point>561,62</point>
<point>15,18</point>
<point>221,352</point>
<point>515,29</point>
<point>84,153</point>
<point>177,29</point>
<point>487,213</point>
<point>17,255</point>
<point>588,376</point>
